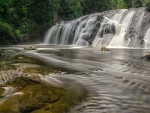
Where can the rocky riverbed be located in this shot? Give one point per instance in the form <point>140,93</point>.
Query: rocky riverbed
<point>28,85</point>
<point>68,79</point>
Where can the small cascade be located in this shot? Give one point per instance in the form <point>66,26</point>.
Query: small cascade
<point>119,40</point>
<point>117,17</point>
<point>61,33</point>
<point>84,32</point>
<point>115,28</point>
<point>107,30</point>
<point>147,39</point>
<point>75,32</point>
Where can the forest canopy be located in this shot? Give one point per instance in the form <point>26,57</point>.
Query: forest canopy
<point>20,18</point>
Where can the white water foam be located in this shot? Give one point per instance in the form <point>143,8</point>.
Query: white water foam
<point>118,40</point>
<point>147,38</point>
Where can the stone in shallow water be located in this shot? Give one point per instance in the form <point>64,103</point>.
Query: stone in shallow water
<point>146,56</point>
<point>103,48</point>
<point>30,48</point>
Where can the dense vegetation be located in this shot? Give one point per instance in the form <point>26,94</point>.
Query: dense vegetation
<point>27,18</point>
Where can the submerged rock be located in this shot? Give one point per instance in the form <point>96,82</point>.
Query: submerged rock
<point>30,48</point>
<point>146,56</point>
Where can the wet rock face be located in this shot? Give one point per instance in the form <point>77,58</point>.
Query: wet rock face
<point>96,28</point>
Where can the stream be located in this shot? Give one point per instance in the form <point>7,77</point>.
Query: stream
<point>70,79</point>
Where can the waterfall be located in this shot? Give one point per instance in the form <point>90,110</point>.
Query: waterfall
<point>119,40</point>
<point>83,33</point>
<point>115,28</point>
<point>75,32</point>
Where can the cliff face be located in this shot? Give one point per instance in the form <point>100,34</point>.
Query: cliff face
<point>115,28</point>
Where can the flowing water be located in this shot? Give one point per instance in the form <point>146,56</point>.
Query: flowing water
<point>71,79</point>
<point>146,38</point>
<point>115,28</point>
<point>70,73</point>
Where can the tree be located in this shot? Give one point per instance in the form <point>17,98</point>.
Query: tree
<point>121,4</point>
<point>136,3</point>
<point>44,10</point>
<point>92,6</point>
<point>70,9</point>
<point>147,6</point>
<point>4,10</point>
<point>146,3</point>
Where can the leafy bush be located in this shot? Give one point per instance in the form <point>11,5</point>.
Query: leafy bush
<point>70,9</point>
<point>6,33</point>
<point>19,17</point>
<point>136,3</point>
<point>148,6</point>
<point>25,26</point>
<point>18,32</point>
<point>4,10</point>
<point>43,11</point>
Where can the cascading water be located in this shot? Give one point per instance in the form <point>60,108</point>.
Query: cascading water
<point>66,79</point>
<point>147,38</point>
<point>107,30</point>
<point>118,40</point>
<point>74,32</point>
<point>115,28</point>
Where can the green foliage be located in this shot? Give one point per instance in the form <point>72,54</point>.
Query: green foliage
<point>18,32</point>
<point>4,10</point>
<point>147,6</point>
<point>23,17</point>
<point>146,3</point>
<point>70,9</point>
<point>43,11</point>
<point>25,26</point>
<point>136,3</point>
<point>6,33</point>
<point>126,4</point>
<point>91,6</point>
<point>121,4</point>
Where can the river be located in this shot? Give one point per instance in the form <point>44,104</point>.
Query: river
<point>70,79</point>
